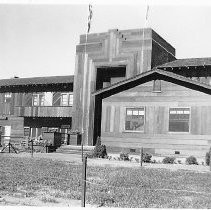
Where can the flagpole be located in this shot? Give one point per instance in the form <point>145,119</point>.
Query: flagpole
<point>84,77</point>
<point>142,51</point>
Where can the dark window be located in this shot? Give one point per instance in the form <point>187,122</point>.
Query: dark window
<point>179,119</point>
<point>134,119</point>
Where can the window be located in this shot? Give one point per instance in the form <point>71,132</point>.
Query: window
<point>70,99</point>
<point>66,99</point>
<point>134,119</point>
<point>7,97</point>
<point>179,119</point>
<point>38,99</point>
<point>156,86</point>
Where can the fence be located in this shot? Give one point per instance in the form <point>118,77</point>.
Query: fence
<point>19,144</point>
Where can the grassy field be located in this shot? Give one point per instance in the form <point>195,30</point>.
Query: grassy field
<point>49,181</point>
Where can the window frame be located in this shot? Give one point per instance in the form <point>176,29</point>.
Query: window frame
<point>68,99</point>
<point>125,115</point>
<point>7,95</point>
<point>40,102</point>
<point>189,121</point>
<point>62,101</point>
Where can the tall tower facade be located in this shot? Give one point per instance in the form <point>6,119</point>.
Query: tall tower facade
<point>103,59</point>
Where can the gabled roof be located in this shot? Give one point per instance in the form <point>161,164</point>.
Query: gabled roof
<point>35,84</point>
<point>188,62</point>
<point>154,74</point>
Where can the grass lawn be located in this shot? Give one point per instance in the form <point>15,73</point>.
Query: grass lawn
<point>51,180</point>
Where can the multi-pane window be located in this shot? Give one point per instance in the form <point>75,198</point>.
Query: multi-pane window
<point>7,97</point>
<point>38,99</point>
<point>64,100</point>
<point>70,99</point>
<point>179,119</point>
<point>134,119</point>
<point>67,99</point>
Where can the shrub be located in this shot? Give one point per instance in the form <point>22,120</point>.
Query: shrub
<point>167,160</point>
<point>179,161</point>
<point>137,160</point>
<point>207,157</point>
<point>90,154</point>
<point>124,156</point>
<point>191,161</point>
<point>147,158</point>
<point>99,150</point>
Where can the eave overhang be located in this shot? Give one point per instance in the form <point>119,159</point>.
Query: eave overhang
<point>154,74</point>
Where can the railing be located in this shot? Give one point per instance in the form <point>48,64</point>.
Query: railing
<point>43,111</point>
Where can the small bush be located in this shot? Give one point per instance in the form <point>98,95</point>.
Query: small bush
<point>47,199</point>
<point>167,160</point>
<point>124,156</point>
<point>99,150</point>
<point>90,154</point>
<point>137,160</point>
<point>191,161</point>
<point>207,157</point>
<point>179,162</point>
<point>147,158</point>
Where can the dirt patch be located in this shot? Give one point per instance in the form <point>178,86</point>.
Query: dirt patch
<point>42,197</point>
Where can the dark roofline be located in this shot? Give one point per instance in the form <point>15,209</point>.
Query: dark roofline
<point>37,80</point>
<point>35,84</point>
<point>154,74</point>
<point>187,62</point>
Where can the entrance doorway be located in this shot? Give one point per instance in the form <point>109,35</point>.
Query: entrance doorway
<point>106,76</point>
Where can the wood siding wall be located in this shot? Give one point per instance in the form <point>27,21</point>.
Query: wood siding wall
<point>21,105</point>
<point>129,48</point>
<point>156,132</point>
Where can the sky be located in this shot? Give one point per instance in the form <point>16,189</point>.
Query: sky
<point>39,39</point>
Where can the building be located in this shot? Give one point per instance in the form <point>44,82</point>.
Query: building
<point>132,91</point>
<point>31,106</point>
<point>129,89</point>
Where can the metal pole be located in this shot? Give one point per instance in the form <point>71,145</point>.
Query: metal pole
<point>82,149</point>
<point>141,160</point>
<point>9,147</point>
<point>32,147</point>
<point>83,196</point>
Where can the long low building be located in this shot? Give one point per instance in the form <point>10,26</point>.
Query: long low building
<point>128,88</point>
<point>31,106</point>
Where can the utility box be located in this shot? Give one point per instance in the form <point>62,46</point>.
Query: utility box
<point>53,138</point>
<point>75,139</point>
